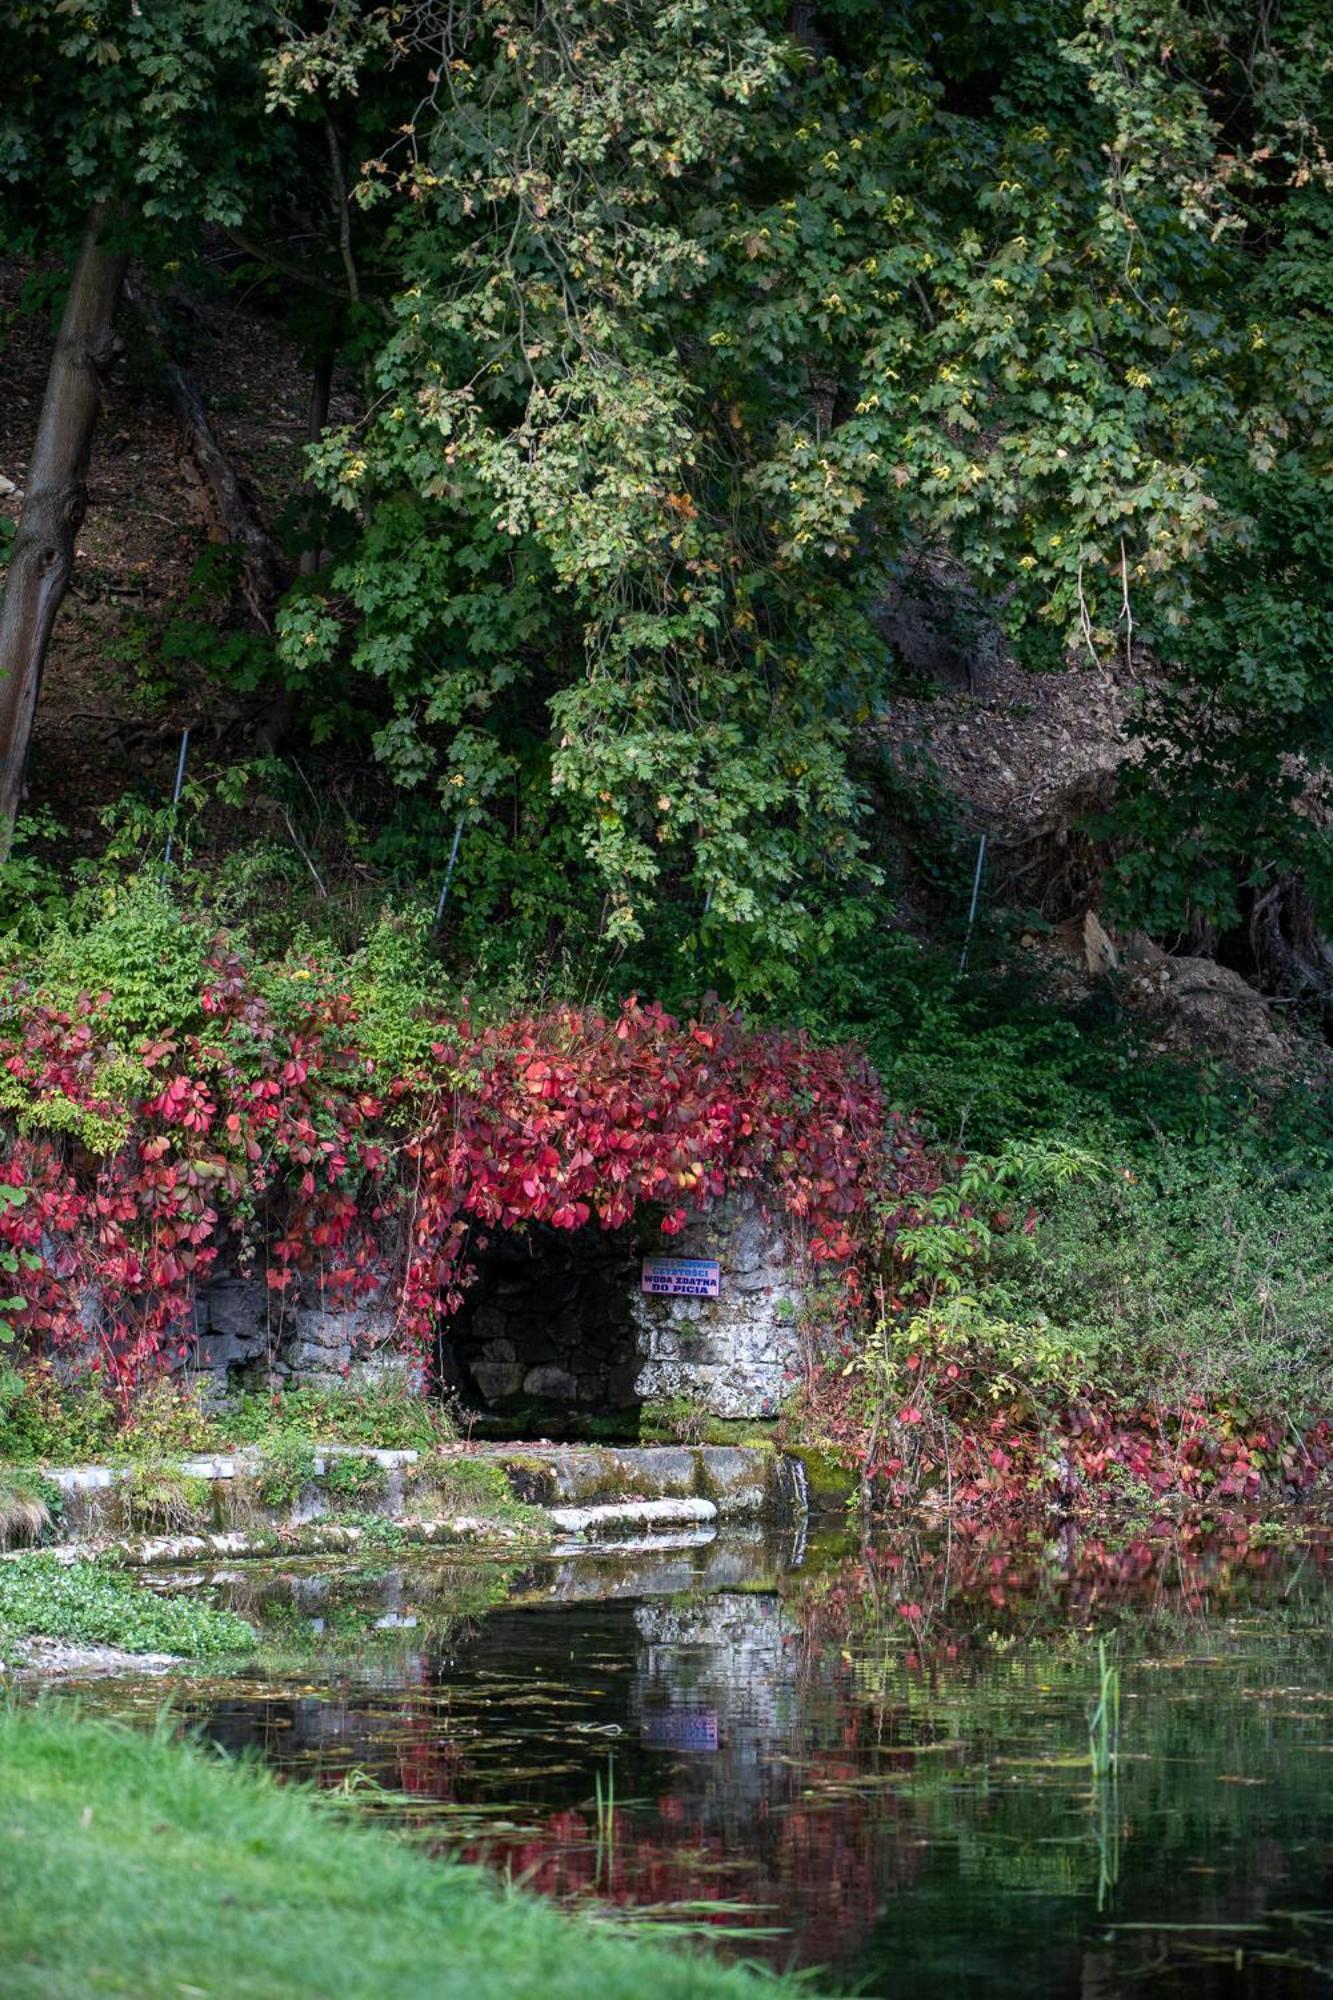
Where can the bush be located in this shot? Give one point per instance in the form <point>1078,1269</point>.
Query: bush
<point>28,1505</point>
<point>1181,1276</point>
<point>44,1419</point>
<point>89,1605</point>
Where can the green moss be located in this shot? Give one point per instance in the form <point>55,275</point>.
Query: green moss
<point>829,1483</point>
<point>448,1484</point>
<point>531,1480</point>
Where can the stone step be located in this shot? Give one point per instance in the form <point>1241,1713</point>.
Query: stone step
<point>586,1492</point>
<point>744,1482</point>
<point>619,1519</point>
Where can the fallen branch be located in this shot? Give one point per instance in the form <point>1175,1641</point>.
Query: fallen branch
<point>262,574</point>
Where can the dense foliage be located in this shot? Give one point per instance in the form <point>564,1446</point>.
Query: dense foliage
<point>677,340</point>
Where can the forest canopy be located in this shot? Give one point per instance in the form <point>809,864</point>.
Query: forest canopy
<point>668,342</point>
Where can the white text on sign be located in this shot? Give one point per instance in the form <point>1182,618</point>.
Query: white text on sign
<point>682,1277</point>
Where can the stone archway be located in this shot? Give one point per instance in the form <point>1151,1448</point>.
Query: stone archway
<point>546,1333</point>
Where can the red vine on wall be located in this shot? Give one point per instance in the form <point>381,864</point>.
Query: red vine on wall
<point>267,1135</point>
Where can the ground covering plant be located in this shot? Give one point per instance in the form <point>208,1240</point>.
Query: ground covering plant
<point>89,1603</point>
<point>214,1877</point>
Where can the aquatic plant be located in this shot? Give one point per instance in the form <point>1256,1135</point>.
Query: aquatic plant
<point>1104,1720</point>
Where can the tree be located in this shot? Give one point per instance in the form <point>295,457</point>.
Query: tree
<point>124,129</point>
<point>702,335</point>
<point>56,498</point>
<point>688,330</point>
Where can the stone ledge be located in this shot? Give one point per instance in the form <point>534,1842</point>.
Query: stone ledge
<point>623,1517</point>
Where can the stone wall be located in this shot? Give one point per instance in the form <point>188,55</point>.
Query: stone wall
<point>555,1316</point>
<point>242,1342</point>
<point>734,1355</point>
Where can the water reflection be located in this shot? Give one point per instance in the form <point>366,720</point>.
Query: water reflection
<point>877,1765</point>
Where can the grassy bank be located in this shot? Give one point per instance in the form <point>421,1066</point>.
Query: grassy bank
<point>214,1881</point>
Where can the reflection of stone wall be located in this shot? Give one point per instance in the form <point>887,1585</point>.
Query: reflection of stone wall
<point>731,1658</point>
<point>735,1354</point>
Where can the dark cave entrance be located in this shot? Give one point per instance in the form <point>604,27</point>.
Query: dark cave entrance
<point>545,1343</point>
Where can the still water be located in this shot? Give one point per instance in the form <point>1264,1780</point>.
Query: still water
<point>876,1763</point>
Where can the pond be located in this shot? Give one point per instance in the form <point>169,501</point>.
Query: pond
<point>872,1762</point>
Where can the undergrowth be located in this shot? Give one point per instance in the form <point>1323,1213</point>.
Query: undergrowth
<point>90,1604</point>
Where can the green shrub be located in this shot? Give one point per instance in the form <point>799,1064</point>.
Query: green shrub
<point>1183,1275</point>
<point>450,1484</point>
<point>288,1470</point>
<point>168,1417</point>
<point>347,1478</point>
<point>156,1499</point>
<point>61,1423</point>
<point>91,1605</point>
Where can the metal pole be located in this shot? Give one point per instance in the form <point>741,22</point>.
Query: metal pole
<point>176,798</point>
<point>449,873</point>
<point>976,891</point>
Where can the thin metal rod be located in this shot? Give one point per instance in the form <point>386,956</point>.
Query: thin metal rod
<point>976,891</point>
<point>449,872</point>
<point>176,797</point>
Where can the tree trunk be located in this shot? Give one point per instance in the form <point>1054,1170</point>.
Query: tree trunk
<point>55,500</point>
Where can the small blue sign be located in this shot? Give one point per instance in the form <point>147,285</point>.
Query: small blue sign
<point>682,1277</point>
<point>681,1729</point>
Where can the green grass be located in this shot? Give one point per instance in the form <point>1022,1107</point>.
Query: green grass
<point>88,1604</point>
<point>131,1864</point>
<point>28,1505</point>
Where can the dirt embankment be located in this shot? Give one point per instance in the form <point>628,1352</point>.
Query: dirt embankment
<point>1032,762</point>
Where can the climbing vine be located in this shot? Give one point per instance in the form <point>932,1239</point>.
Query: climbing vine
<point>265,1132</point>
